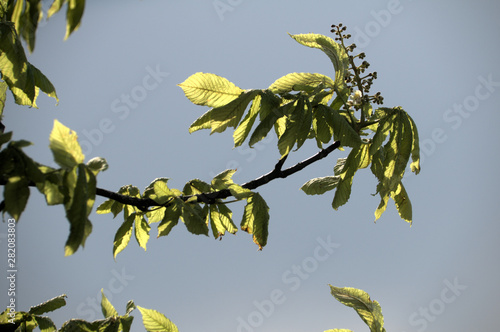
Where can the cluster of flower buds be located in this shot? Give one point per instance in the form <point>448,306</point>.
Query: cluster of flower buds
<point>354,78</point>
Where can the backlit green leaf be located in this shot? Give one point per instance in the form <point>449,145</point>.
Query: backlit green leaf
<point>335,52</point>
<point>81,184</point>
<point>209,90</point>
<point>55,7</point>
<point>196,187</point>
<point>52,185</point>
<point>194,219</point>
<point>269,114</point>
<point>142,229</point>
<point>229,115</point>
<point>403,203</point>
<point>48,306</point>
<point>415,148</point>
<point>243,129</point>
<point>155,321</point>
<point>110,206</point>
<point>221,220</point>
<point>297,82</point>
<point>170,218</point>
<point>369,311</point>
<point>65,147</point>
<point>162,192</point>
<point>256,219</point>
<point>74,14</point>
<point>319,186</point>
<point>322,125</point>
<point>45,324</point>
<point>97,164</point>
<point>123,235</point>
<point>358,158</point>
<point>155,215</point>
<point>149,191</point>
<point>23,79</point>
<point>16,196</point>
<point>106,307</point>
<point>297,128</point>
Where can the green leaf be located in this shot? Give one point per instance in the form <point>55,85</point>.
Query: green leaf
<point>110,206</point>
<point>5,137</point>
<point>358,158</point>
<point>298,82</point>
<point>65,147</point>
<point>390,161</point>
<point>266,124</point>
<point>130,307</point>
<point>81,325</point>
<point>74,14</point>
<point>52,186</point>
<point>243,129</point>
<point>97,164</point>
<point>221,220</point>
<point>297,127</point>
<point>342,130</point>
<point>255,219</point>
<point>55,7</point>
<point>337,56</point>
<point>194,217</point>
<point>415,147</point>
<point>45,324</point>
<point>81,184</point>
<point>319,186</point>
<point>369,311</point>
<point>196,187</point>
<point>106,307</point>
<point>31,17</point>
<point>210,90</point>
<point>105,207</point>
<point>163,193</point>
<point>123,235</point>
<point>155,321</point>
<point>239,192</point>
<point>322,124</point>
<point>142,229</point>
<point>149,191</point>
<point>170,218</point>
<point>339,330</point>
<point>403,204</point>
<point>125,323</point>
<point>50,305</point>
<point>155,215</point>
<point>229,115</point>
<point>222,180</point>
<point>23,79</point>
<point>3,97</point>
<point>16,196</point>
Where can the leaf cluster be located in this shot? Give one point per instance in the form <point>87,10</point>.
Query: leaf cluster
<point>193,206</point>
<point>112,322</point>
<point>296,107</point>
<point>19,21</point>
<point>368,310</point>
<point>302,106</point>
<point>73,185</point>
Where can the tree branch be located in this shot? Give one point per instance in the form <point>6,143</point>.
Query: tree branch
<point>144,203</point>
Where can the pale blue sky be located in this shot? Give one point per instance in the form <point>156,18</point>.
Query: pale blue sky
<point>436,59</point>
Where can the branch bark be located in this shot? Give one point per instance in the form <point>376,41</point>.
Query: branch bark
<point>144,203</point>
<point>277,172</point>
